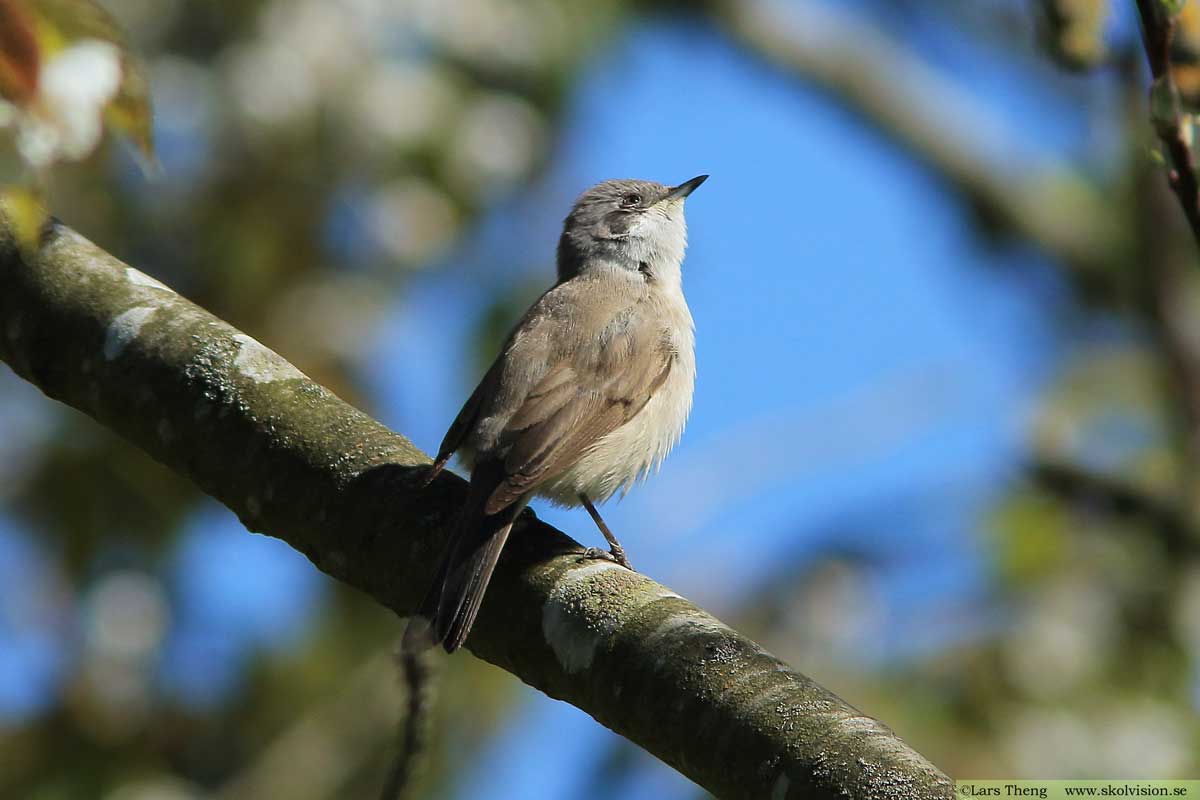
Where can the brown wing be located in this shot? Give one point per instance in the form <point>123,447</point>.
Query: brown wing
<point>529,337</point>
<point>582,397</point>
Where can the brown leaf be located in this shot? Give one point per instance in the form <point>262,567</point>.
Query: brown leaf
<point>19,58</point>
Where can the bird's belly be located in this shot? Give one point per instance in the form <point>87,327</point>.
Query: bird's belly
<point>633,450</point>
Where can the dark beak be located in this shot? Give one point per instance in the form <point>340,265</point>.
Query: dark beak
<point>685,188</point>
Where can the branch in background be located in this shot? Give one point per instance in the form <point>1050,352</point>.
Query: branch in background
<point>1118,496</point>
<point>296,462</point>
<point>1158,28</point>
<point>1164,283</point>
<point>321,752</point>
<point>939,123</point>
<point>943,126</point>
<point>1073,32</point>
<point>1166,295</point>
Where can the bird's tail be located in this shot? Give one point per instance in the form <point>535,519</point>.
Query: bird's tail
<point>450,606</point>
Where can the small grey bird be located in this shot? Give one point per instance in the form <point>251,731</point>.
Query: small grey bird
<point>590,392</point>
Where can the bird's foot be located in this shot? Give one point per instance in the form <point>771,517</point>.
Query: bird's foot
<point>616,557</point>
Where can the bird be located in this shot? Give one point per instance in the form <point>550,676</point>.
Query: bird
<point>589,393</point>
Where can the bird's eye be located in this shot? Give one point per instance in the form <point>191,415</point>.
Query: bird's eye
<point>630,200</point>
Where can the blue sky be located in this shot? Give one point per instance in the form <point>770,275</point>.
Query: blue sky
<point>866,364</point>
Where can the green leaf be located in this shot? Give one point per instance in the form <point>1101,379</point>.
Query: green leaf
<point>1164,104</point>
<point>26,214</point>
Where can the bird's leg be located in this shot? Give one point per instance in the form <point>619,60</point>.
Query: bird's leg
<point>615,550</point>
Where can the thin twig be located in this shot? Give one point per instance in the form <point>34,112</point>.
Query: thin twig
<point>415,674</point>
<point>1158,28</point>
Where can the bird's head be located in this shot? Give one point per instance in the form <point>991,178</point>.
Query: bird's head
<point>628,223</point>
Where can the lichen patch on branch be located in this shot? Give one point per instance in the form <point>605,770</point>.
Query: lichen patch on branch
<point>124,329</point>
<point>588,605</point>
<point>261,364</point>
<point>690,619</point>
<point>575,642</point>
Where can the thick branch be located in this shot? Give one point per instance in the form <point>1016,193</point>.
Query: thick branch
<point>294,461</point>
<point>1158,27</point>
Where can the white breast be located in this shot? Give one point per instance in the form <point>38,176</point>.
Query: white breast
<point>638,447</point>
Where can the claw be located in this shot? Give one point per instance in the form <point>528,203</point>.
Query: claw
<point>605,555</point>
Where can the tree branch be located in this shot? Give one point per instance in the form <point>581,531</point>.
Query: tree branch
<point>938,123</point>
<point>1158,28</point>
<point>295,462</point>
<point>349,728</point>
<point>1166,299</point>
<point>1118,496</point>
